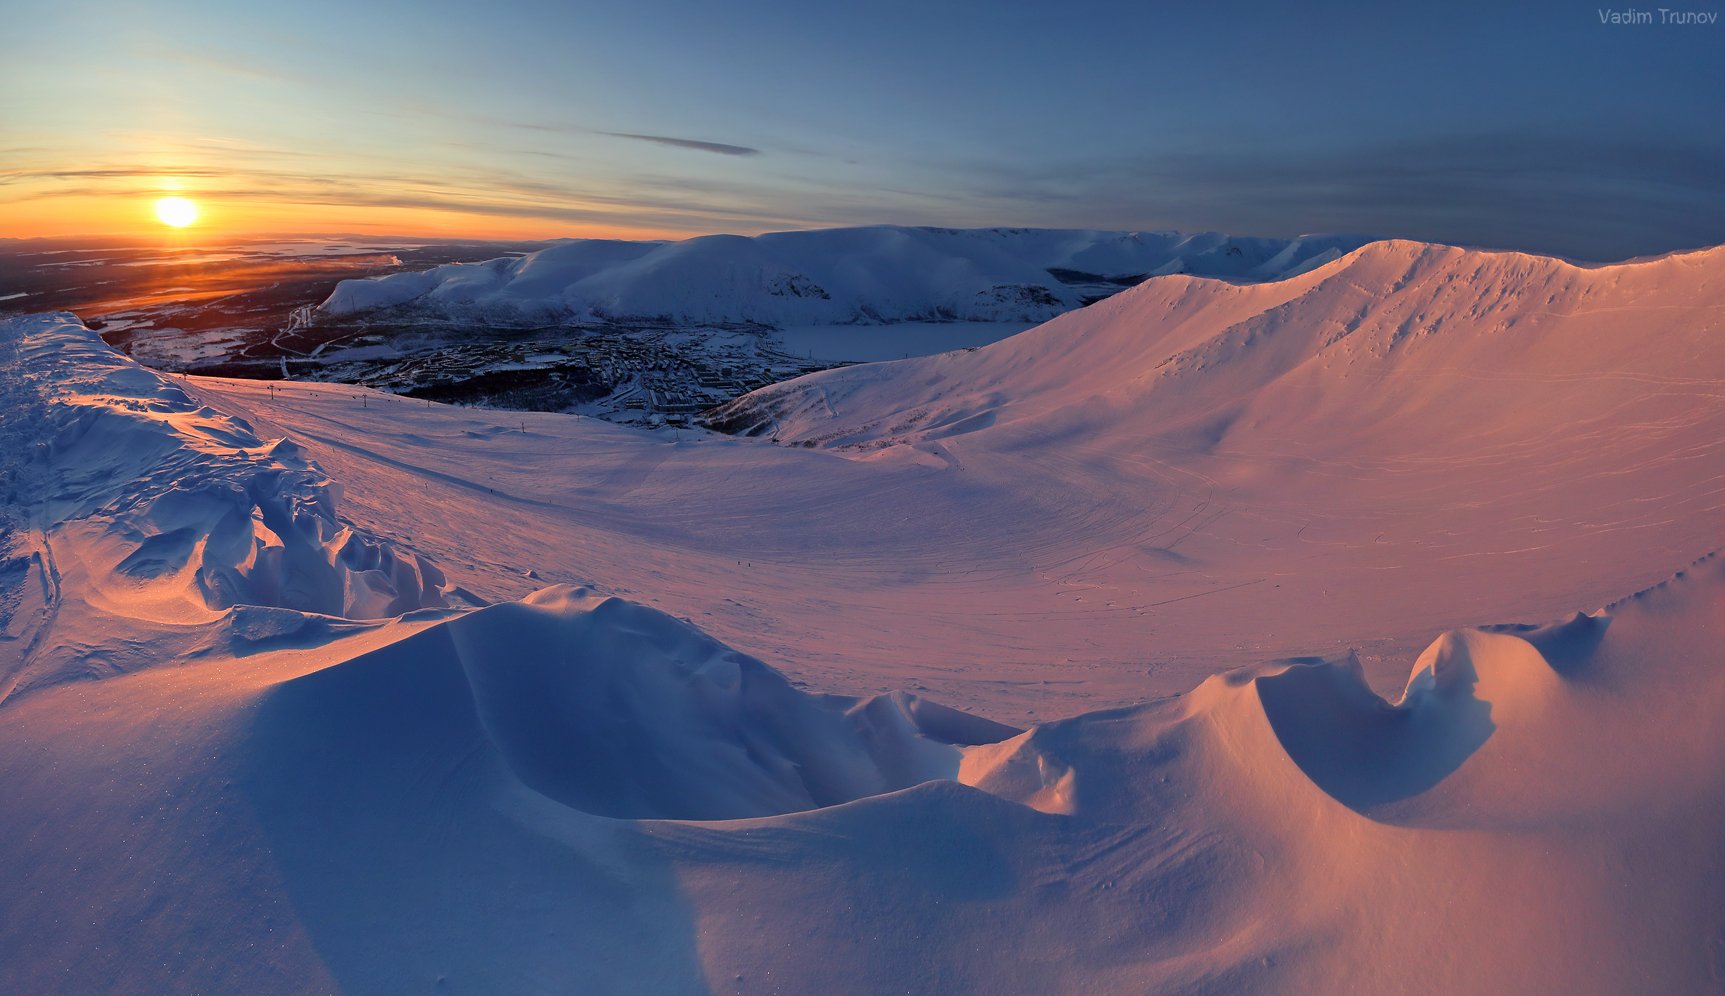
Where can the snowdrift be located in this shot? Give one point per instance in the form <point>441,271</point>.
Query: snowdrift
<point>484,801</point>
<point>833,276</point>
<point>121,490</point>
<point>618,710</point>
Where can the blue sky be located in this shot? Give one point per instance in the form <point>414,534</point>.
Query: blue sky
<point>1536,127</point>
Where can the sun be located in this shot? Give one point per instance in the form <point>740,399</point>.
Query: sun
<point>176,211</point>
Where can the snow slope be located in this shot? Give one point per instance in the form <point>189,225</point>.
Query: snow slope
<point>1399,426</point>
<point>1412,344</point>
<point>1190,476</point>
<point>668,757</point>
<point>831,276</point>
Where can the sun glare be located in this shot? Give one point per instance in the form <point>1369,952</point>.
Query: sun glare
<point>176,211</point>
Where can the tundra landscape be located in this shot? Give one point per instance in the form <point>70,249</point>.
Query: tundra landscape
<point>826,544</point>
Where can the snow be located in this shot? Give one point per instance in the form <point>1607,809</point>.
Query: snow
<point>1161,647</point>
<point>167,511</point>
<point>825,277</point>
<point>619,710</point>
<point>850,344</point>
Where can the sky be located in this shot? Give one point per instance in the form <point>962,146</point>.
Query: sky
<point>1526,126</point>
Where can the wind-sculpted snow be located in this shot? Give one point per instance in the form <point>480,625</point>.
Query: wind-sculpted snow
<point>833,276</point>
<point>124,488</point>
<point>483,800</point>
<point>618,710</point>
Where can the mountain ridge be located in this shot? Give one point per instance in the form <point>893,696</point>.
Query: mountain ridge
<point>1363,311</point>
<point>872,275</point>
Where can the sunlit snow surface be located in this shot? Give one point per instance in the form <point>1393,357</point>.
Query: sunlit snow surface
<point>693,742</point>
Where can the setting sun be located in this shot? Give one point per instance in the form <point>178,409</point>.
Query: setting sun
<point>176,211</point>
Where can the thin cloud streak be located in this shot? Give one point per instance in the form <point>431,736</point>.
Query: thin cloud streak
<point>113,173</point>
<point>718,148</point>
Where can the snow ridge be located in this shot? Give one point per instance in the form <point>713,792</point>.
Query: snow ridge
<point>618,710</point>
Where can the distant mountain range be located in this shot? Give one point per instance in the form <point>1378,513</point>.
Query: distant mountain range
<point>833,276</point>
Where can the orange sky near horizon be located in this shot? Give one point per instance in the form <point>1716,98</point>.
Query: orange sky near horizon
<point>134,215</point>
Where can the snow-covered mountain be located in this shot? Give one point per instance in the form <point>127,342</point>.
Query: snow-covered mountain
<point>1400,346</point>
<point>1169,563</point>
<point>833,276</point>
